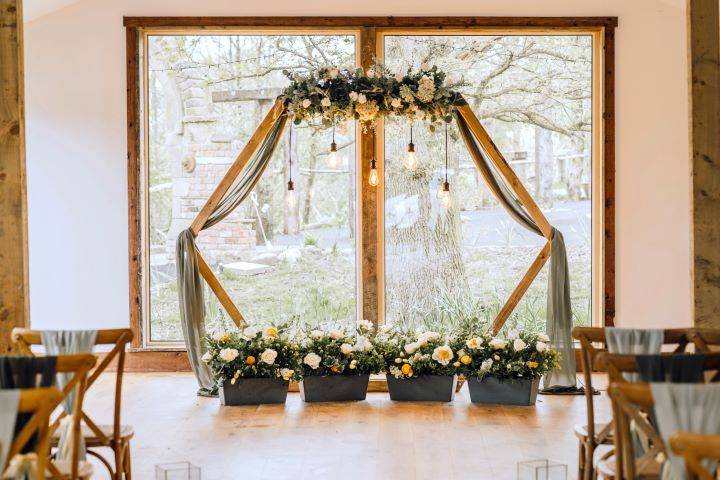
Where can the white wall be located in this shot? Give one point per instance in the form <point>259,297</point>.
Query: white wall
<point>77,193</point>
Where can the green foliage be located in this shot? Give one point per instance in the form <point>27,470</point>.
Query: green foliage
<point>335,352</point>
<point>310,241</point>
<point>256,353</point>
<point>520,355</point>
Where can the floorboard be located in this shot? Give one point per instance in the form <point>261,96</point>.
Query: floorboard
<point>375,439</point>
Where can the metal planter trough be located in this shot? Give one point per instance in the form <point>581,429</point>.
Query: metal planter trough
<point>510,391</point>
<point>424,388</point>
<point>253,391</point>
<point>336,388</point>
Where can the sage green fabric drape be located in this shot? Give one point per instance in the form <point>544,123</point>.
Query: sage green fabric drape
<point>682,407</point>
<point>559,310</point>
<point>190,284</point>
<point>68,342</point>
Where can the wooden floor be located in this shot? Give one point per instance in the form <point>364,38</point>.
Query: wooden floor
<point>375,439</point>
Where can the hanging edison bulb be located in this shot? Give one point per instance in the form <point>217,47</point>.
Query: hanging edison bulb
<point>410,161</point>
<point>373,179</point>
<point>291,197</point>
<point>333,159</point>
<point>444,195</point>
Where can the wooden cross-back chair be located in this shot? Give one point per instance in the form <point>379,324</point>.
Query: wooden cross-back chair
<point>116,436</point>
<point>39,402</point>
<point>627,412</point>
<point>694,448</point>
<point>592,434</point>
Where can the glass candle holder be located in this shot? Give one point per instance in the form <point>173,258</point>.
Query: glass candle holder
<point>177,471</point>
<point>542,469</point>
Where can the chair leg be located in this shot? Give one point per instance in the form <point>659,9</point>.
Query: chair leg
<point>589,467</point>
<point>581,460</point>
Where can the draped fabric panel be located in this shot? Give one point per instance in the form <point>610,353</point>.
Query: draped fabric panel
<point>688,408</point>
<point>68,342</point>
<point>559,310</point>
<point>9,400</point>
<point>20,372</point>
<point>639,341</point>
<point>190,285</point>
<point>677,368</point>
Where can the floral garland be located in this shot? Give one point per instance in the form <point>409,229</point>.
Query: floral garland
<point>337,95</point>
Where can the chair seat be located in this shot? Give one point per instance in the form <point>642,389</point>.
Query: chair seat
<point>85,470</point>
<point>92,440</point>
<point>581,432</point>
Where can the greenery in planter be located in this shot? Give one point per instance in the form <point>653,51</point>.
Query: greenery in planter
<point>336,352</point>
<point>409,354</point>
<point>254,353</point>
<point>520,355</point>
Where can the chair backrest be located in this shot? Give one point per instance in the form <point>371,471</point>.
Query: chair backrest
<point>118,338</point>
<point>631,404</point>
<point>618,364</point>
<point>705,339</point>
<point>694,448</point>
<point>39,402</point>
<point>593,342</point>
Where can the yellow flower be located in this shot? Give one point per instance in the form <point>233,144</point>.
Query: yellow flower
<point>456,364</point>
<point>532,364</point>
<point>224,337</point>
<point>270,332</point>
<point>466,360</point>
<point>250,360</point>
<point>407,370</point>
<point>335,369</point>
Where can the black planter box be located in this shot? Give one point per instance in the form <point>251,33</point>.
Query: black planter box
<point>511,391</point>
<point>253,391</point>
<point>425,388</point>
<point>337,388</point>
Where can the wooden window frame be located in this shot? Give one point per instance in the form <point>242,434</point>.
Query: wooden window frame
<point>370,31</point>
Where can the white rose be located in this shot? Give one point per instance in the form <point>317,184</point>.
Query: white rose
<point>370,73</point>
<point>333,72</point>
<point>346,348</point>
<point>474,343</point>
<point>518,344</point>
<point>336,334</point>
<point>268,356</point>
<point>424,66</point>
<point>396,103</point>
<point>306,103</point>
<point>317,334</point>
<point>229,354</point>
<point>218,335</point>
<point>207,356</point>
<point>365,325</point>
<point>385,328</point>
<point>251,332</point>
<point>270,332</point>
<point>361,98</point>
<point>325,102</point>
<point>286,373</point>
<point>513,334</point>
<point>312,360</point>
<point>353,96</point>
<point>498,344</point>
<point>427,337</point>
<point>362,344</point>
<point>353,365</point>
<point>442,355</point>
<point>543,338</point>
<point>485,366</point>
<point>541,346</point>
<point>411,347</point>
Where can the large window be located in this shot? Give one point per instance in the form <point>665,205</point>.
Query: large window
<point>344,250</point>
<point>533,94</point>
<point>279,259</point>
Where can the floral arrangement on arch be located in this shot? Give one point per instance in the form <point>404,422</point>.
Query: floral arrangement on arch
<point>520,355</point>
<point>410,354</point>
<point>253,352</point>
<point>336,352</point>
<point>336,95</point>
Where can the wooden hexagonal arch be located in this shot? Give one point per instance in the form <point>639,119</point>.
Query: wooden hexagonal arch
<point>487,145</point>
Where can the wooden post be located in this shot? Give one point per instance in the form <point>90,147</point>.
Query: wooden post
<point>14,305</point>
<point>369,202</point>
<point>704,63</point>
